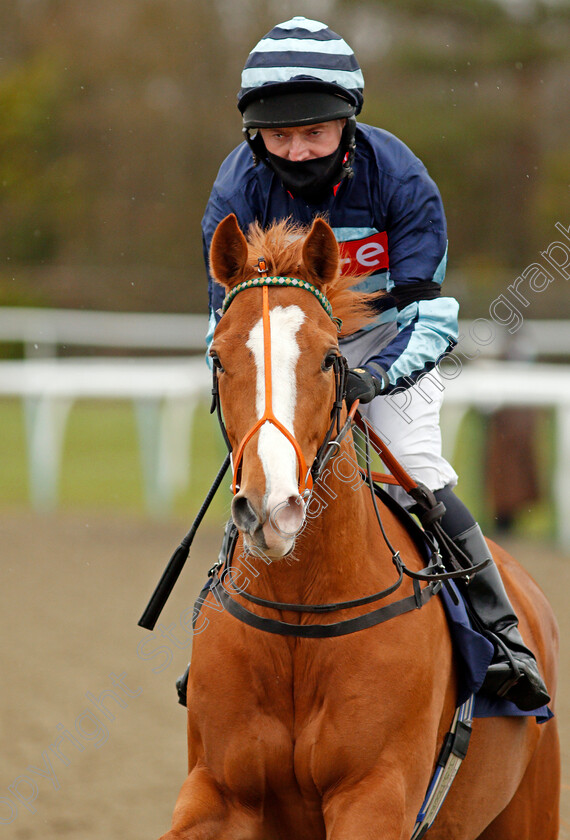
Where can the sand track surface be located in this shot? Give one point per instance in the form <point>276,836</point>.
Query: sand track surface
<point>93,741</point>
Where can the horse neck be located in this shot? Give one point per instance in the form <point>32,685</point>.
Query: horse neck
<point>338,546</point>
<point>340,520</point>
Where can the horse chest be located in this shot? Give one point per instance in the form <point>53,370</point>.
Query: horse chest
<point>289,718</point>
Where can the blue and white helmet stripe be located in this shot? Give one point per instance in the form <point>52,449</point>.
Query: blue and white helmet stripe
<point>255,77</point>
<point>303,49</point>
<point>310,46</point>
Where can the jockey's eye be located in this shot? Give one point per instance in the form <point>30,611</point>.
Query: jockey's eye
<point>216,361</point>
<point>329,360</point>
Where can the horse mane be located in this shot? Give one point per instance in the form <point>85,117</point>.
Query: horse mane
<point>281,245</point>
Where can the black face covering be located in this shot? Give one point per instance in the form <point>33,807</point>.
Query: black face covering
<point>310,180</point>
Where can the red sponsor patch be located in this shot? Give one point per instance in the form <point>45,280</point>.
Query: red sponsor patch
<point>361,256</point>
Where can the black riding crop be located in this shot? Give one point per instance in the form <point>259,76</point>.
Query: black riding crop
<point>176,563</point>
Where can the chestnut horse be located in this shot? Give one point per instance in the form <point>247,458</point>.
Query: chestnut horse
<point>295,738</point>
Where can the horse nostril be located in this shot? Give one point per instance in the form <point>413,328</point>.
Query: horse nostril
<point>287,517</point>
<point>244,515</point>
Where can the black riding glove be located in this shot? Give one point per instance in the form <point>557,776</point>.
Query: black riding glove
<point>361,385</point>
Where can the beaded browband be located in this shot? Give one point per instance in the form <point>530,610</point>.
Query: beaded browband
<point>283,281</point>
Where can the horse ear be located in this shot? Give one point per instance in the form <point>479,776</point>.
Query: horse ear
<point>228,252</point>
<point>320,254</point>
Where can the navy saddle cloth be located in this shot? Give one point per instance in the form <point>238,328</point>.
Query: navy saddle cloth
<point>474,655</point>
<point>474,651</point>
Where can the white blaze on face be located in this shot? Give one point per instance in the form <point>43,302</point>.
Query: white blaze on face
<point>275,452</point>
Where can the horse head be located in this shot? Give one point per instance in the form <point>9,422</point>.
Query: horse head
<point>276,372</point>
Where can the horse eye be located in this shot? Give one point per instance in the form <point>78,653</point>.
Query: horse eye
<point>216,361</point>
<point>329,360</point>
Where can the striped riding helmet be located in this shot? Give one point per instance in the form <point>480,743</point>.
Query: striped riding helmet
<point>300,56</point>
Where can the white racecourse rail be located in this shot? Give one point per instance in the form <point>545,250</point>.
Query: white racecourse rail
<point>42,331</point>
<point>490,385</point>
<point>166,391</point>
<point>164,394</point>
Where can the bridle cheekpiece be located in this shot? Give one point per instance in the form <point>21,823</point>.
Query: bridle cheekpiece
<point>307,475</point>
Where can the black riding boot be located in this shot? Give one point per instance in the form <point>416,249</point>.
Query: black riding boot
<point>513,673</point>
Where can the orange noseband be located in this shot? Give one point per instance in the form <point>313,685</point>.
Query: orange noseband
<point>305,478</point>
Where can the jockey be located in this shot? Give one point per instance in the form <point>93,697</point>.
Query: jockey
<point>304,155</point>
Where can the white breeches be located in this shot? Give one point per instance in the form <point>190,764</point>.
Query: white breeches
<point>407,420</point>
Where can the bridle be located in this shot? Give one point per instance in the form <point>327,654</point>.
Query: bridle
<point>432,576</point>
<point>427,508</point>
<point>307,476</point>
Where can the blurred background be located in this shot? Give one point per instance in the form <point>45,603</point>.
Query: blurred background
<point>115,116</point>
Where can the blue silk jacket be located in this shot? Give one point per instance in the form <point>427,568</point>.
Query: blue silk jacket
<point>388,220</point>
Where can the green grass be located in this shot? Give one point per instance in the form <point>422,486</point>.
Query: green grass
<point>13,466</point>
<point>102,469</point>
<point>101,465</point>
<point>207,454</point>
